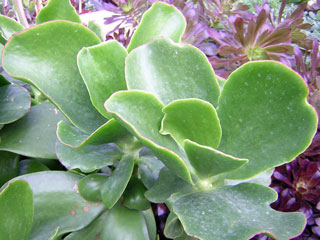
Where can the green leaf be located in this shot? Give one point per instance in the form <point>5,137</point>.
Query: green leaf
<point>94,27</point>
<point>89,157</point>
<point>34,135</point>
<point>58,9</point>
<point>58,204</point>
<point>141,113</point>
<point>89,187</point>
<point>160,20</point>
<point>15,102</point>
<point>8,26</point>
<point>173,227</point>
<point>73,137</point>
<point>8,166</point>
<point>134,195</point>
<point>149,167</point>
<point>30,166</point>
<point>209,162</point>
<point>192,119</point>
<point>117,182</point>
<point>172,71</point>
<point>102,69</point>
<point>236,212</point>
<point>119,223</point>
<point>265,117</point>
<point>46,57</point>
<point>16,211</point>
<point>165,186</point>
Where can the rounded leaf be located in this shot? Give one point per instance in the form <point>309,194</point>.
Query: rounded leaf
<point>89,187</point>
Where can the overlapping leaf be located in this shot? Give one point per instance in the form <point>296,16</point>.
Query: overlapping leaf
<point>58,208</point>
<point>15,102</point>
<point>264,117</point>
<point>16,211</point>
<point>58,9</point>
<point>89,157</point>
<point>160,20</point>
<point>118,224</point>
<point>102,69</point>
<point>8,26</point>
<point>46,57</point>
<point>192,119</point>
<point>106,133</point>
<point>34,135</point>
<point>236,212</point>
<point>141,113</point>
<point>8,166</point>
<point>171,71</point>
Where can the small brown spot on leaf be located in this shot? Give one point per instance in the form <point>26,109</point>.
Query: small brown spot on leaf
<point>98,235</point>
<point>86,209</point>
<point>72,212</point>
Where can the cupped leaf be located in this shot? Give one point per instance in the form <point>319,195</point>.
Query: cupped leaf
<point>58,9</point>
<point>58,208</point>
<point>16,211</point>
<point>89,157</point>
<point>119,223</point>
<point>31,166</point>
<point>173,227</point>
<point>141,113</point>
<point>209,162</point>
<point>172,71</point>
<point>265,117</point>
<point>75,138</point>
<point>149,167</point>
<point>115,185</point>
<point>8,166</point>
<point>8,26</point>
<point>102,69</point>
<point>89,187</point>
<point>34,135</point>
<point>46,57</point>
<point>160,20</point>
<point>15,102</point>
<point>165,186</point>
<point>236,212</point>
<point>134,195</point>
<point>192,119</point>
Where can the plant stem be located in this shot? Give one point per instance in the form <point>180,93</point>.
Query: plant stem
<point>19,10</point>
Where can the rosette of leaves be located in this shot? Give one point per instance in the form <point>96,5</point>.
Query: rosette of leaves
<point>259,38</point>
<point>150,122</point>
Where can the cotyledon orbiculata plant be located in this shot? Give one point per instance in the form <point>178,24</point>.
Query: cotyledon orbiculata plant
<point>148,123</point>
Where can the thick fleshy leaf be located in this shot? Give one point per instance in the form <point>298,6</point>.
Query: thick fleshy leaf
<point>173,227</point>
<point>16,211</point>
<point>134,195</point>
<point>34,135</point>
<point>167,184</point>
<point>141,113</point>
<point>31,166</point>
<point>160,20</point>
<point>73,137</point>
<point>89,157</point>
<point>119,223</point>
<point>3,80</point>
<point>172,71</point>
<point>8,26</point>
<point>15,102</point>
<point>89,187</point>
<point>209,162</point>
<point>149,167</point>
<point>58,9</point>
<point>46,57</point>
<point>192,119</point>
<point>102,69</point>
<point>236,212</point>
<point>115,184</point>
<point>265,117</point>
<point>58,204</point>
<point>8,166</point>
